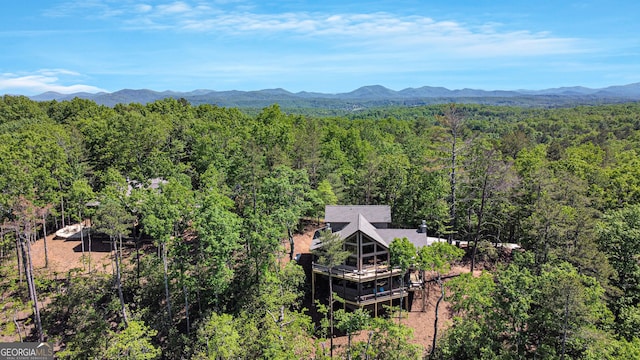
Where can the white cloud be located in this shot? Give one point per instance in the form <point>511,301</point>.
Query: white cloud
<point>365,30</point>
<point>56,72</point>
<point>177,7</point>
<point>377,31</point>
<point>42,81</point>
<point>143,8</point>
<point>87,8</point>
<point>414,36</point>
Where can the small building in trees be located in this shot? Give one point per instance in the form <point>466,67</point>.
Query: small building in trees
<point>366,279</point>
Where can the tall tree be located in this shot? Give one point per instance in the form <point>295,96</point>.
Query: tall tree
<point>26,215</point>
<point>472,301</point>
<point>454,121</point>
<point>387,340</point>
<point>284,196</point>
<point>166,211</point>
<point>306,147</point>
<point>438,258</point>
<point>80,194</point>
<point>43,213</point>
<point>274,136</point>
<point>133,342</point>
<point>78,317</point>
<point>218,338</point>
<point>218,230</point>
<point>619,238</point>
<point>520,314</point>
<point>330,254</point>
<point>285,326</point>
<point>402,254</point>
<point>488,180</point>
<point>113,219</point>
<point>158,219</point>
<point>351,322</point>
<point>568,305</point>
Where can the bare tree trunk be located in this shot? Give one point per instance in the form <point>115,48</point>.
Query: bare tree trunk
<point>331,312</point>
<point>28,268</point>
<point>15,321</point>
<point>82,238</point>
<point>479,225</point>
<point>424,291</point>
<point>186,307</point>
<point>89,235</point>
<point>123,307</point>
<point>166,281</point>
<point>137,260</point>
<point>454,121</point>
<point>401,297</point>
<point>62,207</point>
<point>452,184</point>
<point>44,239</point>
<point>36,306</point>
<point>137,239</point>
<point>113,244</point>
<point>120,250</point>
<point>564,326</point>
<point>19,257</point>
<point>435,321</point>
<point>291,244</point>
<point>198,270</point>
<point>366,350</point>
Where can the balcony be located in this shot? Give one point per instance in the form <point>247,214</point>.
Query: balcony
<point>369,296</point>
<point>352,274</point>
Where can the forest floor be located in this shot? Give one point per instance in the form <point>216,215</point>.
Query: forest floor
<point>66,255</point>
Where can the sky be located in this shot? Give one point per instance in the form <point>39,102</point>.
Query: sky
<point>329,46</point>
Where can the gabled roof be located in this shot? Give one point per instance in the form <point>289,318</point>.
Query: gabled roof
<point>360,224</point>
<point>365,227</point>
<point>349,213</point>
<point>361,217</point>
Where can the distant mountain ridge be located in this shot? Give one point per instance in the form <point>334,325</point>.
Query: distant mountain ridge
<point>366,96</point>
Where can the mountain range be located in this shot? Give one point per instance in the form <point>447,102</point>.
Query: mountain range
<point>366,96</point>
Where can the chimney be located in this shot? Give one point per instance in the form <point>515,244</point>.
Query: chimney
<point>422,229</point>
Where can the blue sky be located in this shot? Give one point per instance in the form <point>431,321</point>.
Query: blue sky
<point>325,46</point>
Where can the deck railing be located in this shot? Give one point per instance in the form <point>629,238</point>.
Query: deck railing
<point>355,273</point>
<point>382,294</point>
<point>351,274</point>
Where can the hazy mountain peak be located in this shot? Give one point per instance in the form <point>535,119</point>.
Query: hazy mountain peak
<point>365,96</point>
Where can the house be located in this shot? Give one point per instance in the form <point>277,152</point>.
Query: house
<point>366,279</point>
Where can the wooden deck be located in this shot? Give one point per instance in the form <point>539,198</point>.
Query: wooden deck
<point>350,274</point>
<point>363,298</point>
<point>383,296</point>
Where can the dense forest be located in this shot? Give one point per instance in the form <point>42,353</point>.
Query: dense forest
<point>197,264</point>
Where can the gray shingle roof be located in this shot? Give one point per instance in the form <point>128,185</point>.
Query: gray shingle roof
<point>361,217</point>
<point>365,227</point>
<point>416,238</point>
<point>349,213</point>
